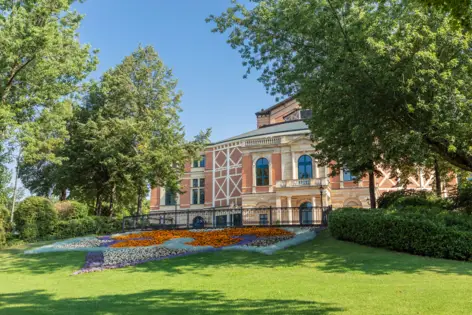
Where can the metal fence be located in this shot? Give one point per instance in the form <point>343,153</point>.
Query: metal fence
<point>228,217</point>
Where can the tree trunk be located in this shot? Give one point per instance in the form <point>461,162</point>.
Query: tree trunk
<point>15,188</point>
<point>140,201</point>
<point>98,204</point>
<point>112,199</point>
<point>373,201</point>
<point>437,178</point>
<point>63,196</point>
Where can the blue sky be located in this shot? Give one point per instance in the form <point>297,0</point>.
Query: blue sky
<point>209,72</point>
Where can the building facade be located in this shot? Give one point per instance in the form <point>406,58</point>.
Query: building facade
<point>271,166</point>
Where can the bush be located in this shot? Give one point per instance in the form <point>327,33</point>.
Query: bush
<point>406,232</point>
<point>87,226</point>
<point>35,218</point>
<point>71,210</point>
<point>463,198</point>
<point>387,199</point>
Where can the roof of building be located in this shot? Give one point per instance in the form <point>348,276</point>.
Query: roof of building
<point>296,125</point>
<point>268,110</point>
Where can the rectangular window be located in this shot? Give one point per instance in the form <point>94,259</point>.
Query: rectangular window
<point>170,198</point>
<point>221,220</point>
<point>236,219</point>
<point>198,191</point>
<point>195,196</point>
<point>202,196</point>
<point>263,219</point>
<point>199,162</point>
<point>347,176</point>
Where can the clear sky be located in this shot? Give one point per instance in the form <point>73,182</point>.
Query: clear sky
<point>209,72</point>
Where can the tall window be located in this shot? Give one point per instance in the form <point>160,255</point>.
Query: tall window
<point>347,175</point>
<point>262,172</point>
<point>170,198</point>
<point>198,191</point>
<point>199,162</point>
<point>305,167</point>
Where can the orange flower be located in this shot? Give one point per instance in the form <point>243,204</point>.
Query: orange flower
<point>217,238</point>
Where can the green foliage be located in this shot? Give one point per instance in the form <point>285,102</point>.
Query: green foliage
<point>71,209</point>
<point>405,197</point>
<point>42,64</point>
<point>463,198</point>
<point>35,218</point>
<point>87,226</point>
<point>412,233</point>
<point>127,136</point>
<point>388,80</point>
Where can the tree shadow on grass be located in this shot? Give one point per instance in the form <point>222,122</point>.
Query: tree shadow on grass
<point>323,253</point>
<point>156,302</point>
<point>13,260</point>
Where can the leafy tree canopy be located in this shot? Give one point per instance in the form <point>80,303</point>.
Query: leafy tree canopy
<point>391,78</point>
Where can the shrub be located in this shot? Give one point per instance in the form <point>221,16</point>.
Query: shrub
<point>389,198</point>
<point>87,226</point>
<point>35,218</point>
<point>463,198</point>
<point>71,210</point>
<point>406,232</point>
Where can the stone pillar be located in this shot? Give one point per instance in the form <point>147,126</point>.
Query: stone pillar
<point>254,179</point>
<point>278,205</point>
<point>341,178</point>
<point>314,211</point>
<point>289,205</point>
<point>294,167</point>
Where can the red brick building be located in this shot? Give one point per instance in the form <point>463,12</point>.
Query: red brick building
<point>271,166</point>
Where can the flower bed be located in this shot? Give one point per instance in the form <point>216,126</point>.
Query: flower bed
<point>122,250</point>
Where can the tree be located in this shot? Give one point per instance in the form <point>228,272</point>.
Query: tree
<point>42,65</point>
<point>126,137</point>
<point>394,73</point>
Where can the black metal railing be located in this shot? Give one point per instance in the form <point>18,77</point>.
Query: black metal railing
<point>228,217</point>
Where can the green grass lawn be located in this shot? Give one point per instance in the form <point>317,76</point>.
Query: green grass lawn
<point>323,276</point>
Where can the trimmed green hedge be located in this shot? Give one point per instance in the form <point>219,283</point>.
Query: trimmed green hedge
<point>401,231</point>
<point>87,226</point>
<point>35,218</point>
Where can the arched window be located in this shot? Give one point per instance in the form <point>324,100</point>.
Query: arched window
<point>305,167</point>
<point>262,172</point>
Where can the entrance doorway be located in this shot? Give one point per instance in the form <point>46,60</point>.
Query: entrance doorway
<point>306,213</point>
<point>198,223</point>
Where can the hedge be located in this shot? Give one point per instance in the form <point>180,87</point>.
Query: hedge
<point>410,233</point>
<point>35,218</point>
<point>87,226</point>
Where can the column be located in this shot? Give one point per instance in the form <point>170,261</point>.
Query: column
<point>271,189</point>
<point>278,205</point>
<point>294,167</point>
<point>289,206</point>
<point>341,178</point>
<point>315,169</point>
<point>253,175</point>
<point>314,210</point>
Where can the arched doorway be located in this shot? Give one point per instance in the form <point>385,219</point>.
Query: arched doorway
<point>306,213</point>
<point>198,223</point>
